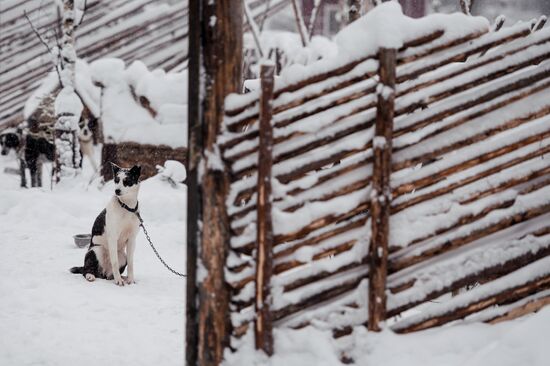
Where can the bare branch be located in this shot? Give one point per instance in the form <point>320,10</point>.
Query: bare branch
<point>466,6</point>
<point>77,24</point>
<point>45,43</point>
<point>313,17</point>
<point>265,15</point>
<point>253,28</point>
<point>300,23</point>
<point>40,38</point>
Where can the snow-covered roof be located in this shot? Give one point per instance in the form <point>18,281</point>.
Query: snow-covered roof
<point>140,105</point>
<point>137,105</point>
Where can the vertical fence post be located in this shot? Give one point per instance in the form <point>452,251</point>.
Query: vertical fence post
<point>264,260</point>
<point>381,191</point>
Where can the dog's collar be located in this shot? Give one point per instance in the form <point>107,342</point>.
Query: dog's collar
<point>124,206</point>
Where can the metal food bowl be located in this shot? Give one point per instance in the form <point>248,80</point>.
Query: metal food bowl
<point>82,240</point>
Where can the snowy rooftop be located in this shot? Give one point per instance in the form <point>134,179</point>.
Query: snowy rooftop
<point>137,105</point>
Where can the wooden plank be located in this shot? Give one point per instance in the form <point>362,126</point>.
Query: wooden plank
<point>381,189</point>
<point>514,293</point>
<point>416,254</point>
<point>489,272</point>
<point>264,247</point>
<point>527,308</point>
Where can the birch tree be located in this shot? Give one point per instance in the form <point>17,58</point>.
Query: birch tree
<point>68,106</point>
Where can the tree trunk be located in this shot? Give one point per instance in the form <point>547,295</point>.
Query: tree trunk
<point>68,106</point>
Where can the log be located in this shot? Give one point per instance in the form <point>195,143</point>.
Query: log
<point>429,195</point>
<point>381,190</point>
<point>317,299</point>
<point>469,218</point>
<point>467,66</point>
<point>301,114</point>
<point>401,262</point>
<point>513,96</point>
<point>528,308</point>
<point>512,294</point>
<point>424,182</point>
<point>304,281</point>
<point>485,97</point>
<point>493,272</point>
<point>264,248</point>
<point>474,83</point>
<point>296,135</point>
<point>283,262</point>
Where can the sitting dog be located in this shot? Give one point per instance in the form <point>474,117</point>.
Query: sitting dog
<point>85,137</point>
<point>12,139</point>
<point>114,232</point>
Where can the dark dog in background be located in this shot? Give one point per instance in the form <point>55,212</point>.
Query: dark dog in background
<point>36,149</point>
<point>12,139</point>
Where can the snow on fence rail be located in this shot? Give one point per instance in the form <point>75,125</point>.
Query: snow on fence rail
<point>466,194</point>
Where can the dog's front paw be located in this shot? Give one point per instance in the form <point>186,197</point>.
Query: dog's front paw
<point>119,281</point>
<point>90,277</point>
<point>130,281</point>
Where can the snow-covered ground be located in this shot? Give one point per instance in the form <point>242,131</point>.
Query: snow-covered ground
<point>49,316</point>
<point>523,341</point>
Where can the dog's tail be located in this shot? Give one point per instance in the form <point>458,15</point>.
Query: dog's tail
<point>77,270</point>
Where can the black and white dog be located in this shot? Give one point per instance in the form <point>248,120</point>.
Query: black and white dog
<point>13,139</point>
<point>114,232</point>
<point>86,139</point>
<point>10,140</point>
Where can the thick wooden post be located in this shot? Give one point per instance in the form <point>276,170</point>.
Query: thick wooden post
<point>194,209</point>
<point>381,192</point>
<point>215,71</point>
<point>264,244</point>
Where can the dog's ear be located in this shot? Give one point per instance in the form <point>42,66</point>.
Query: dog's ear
<point>115,168</point>
<point>135,171</point>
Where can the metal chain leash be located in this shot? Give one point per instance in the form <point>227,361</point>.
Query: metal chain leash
<point>154,249</point>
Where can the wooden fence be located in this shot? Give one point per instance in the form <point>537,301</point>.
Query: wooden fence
<point>435,154</point>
